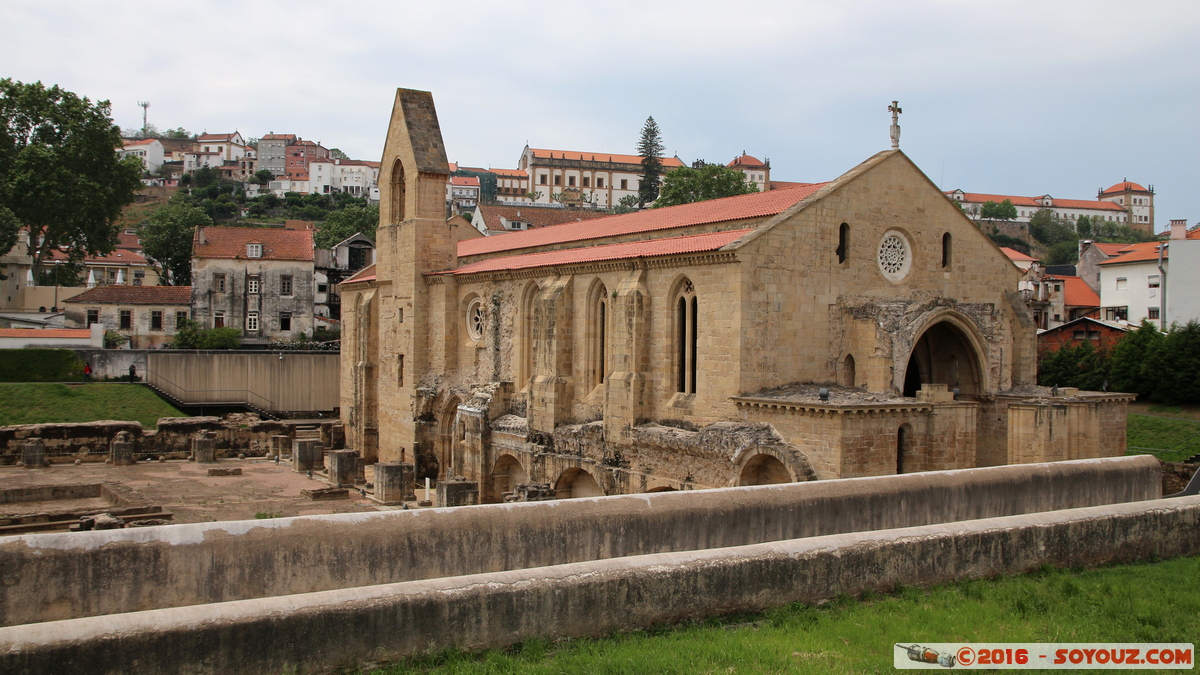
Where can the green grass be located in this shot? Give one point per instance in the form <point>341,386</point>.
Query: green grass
<point>38,403</point>
<point>1172,439</point>
<point>1153,602</point>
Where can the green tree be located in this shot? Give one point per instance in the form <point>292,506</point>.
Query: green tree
<point>178,132</point>
<point>339,225</point>
<point>167,241</point>
<point>60,174</point>
<point>650,147</point>
<point>1080,366</point>
<point>1130,360</point>
<point>336,153</point>
<point>534,195</point>
<point>1048,229</point>
<point>711,181</point>
<point>1002,211</point>
<point>1063,253</point>
<point>205,176</point>
<point>189,335</point>
<point>263,176</point>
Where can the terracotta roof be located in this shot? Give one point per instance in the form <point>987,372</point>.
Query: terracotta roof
<point>983,197</point>
<point>1137,253</point>
<point>146,141</point>
<point>365,274</point>
<point>695,243</point>
<point>786,185</point>
<point>1035,202</point>
<point>230,242</point>
<point>453,166</point>
<point>1110,249</point>
<point>746,162</point>
<point>1125,186</point>
<point>535,216</point>
<point>1087,204</point>
<point>45,332</point>
<point>135,295</point>
<point>1076,292</point>
<point>277,137</point>
<point>216,137</point>
<point>598,157</point>
<point>465,181</point>
<point>1015,255</point>
<point>511,173</point>
<point>120,256</point>
<point>741,207</point>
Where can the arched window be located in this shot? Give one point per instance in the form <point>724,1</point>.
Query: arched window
<point>597,335</point>
<point>525,369</point>
<point>946,250</point>
<point>847,378</point>
<point>686,331</point>
<point>843,249</point>
<point>397,185</point>
<point>903,439</point>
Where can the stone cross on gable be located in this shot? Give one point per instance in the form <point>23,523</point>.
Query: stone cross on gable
<point>894,108</point>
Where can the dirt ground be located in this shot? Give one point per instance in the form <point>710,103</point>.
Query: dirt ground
<point>185,489</point>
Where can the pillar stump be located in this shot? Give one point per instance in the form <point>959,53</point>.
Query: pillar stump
<point>394,482</point>
<point>457,493</point>
<point>306,455</point>
<point>120,453</point>
<point>33,453</point>
<point>204,450</point>
<point>343,465</point>
<point>280,444</point>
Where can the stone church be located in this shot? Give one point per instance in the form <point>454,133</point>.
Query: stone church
<point>858,327</point>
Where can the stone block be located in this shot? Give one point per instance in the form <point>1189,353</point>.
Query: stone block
<point>280,444</point>
<point>306,455</point>
<point>457,493</point>
<point>225,472</point>
<point>204,450</point>
<point>121,454</point>
<point>531,492</point>
<point>323,494</point>
<point>33,453</point>
<point>343,466</point>
<point>394,482</point>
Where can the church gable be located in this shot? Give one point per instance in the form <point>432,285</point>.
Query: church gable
<point>413,147</point>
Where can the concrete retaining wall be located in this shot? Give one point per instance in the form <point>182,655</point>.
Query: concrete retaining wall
<point>339,628</point>
<point>61,576</point>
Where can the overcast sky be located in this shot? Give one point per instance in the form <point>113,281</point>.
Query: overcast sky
<point>1026,98</point>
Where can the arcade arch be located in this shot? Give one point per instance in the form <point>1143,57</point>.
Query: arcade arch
<point>575,483</point>
<point>945,354</point>
<point>506,475</point>
<point>764,469</point>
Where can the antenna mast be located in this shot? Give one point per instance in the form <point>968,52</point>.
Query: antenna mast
<point>145,112</point>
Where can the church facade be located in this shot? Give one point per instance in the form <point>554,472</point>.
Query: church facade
<point>858,327</point>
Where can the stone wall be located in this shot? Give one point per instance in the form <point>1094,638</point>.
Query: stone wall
<point>62,576</point>
<point>352,627</point>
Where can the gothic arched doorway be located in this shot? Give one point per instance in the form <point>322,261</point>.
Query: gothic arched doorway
<point>944,355</point>
<point>764,469</point>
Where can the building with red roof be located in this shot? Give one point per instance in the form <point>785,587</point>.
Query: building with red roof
<point>756,171</point>
<point>258,280</point>
<point>857,327</point>
<point>147,316</point>
<point>574,177</point>
<point>492,219</point>
<point>1133,207</point>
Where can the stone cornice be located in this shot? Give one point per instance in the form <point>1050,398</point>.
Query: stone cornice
<point>832,408</point>
<point>709,258</point>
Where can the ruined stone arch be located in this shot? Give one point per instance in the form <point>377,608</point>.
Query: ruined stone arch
<point>596,333</point>
<point>847,371</point>
<point>575,483</point>
<point>767,464</point>
<point>507,473</point>
<point>396,202</point>
<point>947,348</point>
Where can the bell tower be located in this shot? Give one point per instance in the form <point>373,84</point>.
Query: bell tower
<point>413,240</point>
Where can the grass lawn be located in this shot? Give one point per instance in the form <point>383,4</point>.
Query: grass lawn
<point>1152,602</point>
<point>38,403</point>
<point>1173,438</point>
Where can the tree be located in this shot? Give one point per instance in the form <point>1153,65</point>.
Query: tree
<point>205,176</point>
<point>1049,229</point>
<point>339,225</point>
<point>336,153</point>
<point>263,176</point>
<point>189,335</point>
<point>167,241</point>
<point>650,147</point>
<point>60,174</point>
<point>534,195</point>
<point>711,181</point>
<point>1002,211</point>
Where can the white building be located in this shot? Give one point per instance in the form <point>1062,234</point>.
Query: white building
<point>572,177</point>
<point>1131,283</point>
<point>1066,209</point>
<point>462,192</point>
<point>756,172</point>
<point>352,176</point>
<point>1136,200</point>
<point>230,147</point>
<point>149,150</point>
<point>197,159</point>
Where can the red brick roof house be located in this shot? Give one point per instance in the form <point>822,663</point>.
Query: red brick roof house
<point>147,315</point>
<point>1103,335</point>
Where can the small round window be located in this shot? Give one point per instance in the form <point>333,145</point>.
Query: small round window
<point>475,319</point>
<point>894,257</point>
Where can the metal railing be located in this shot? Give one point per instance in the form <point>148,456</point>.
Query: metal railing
<point>185,395</point>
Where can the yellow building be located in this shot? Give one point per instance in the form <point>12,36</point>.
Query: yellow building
<point>858,327</point>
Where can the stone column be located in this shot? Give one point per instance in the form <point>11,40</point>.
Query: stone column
<point>305,454</point>
<point>120,453</point>
<point>342,466</point>
<point>204,449</point>
<point>457,493</point>
<point>279,445</point>
<point>394,482</point>
<point>33,453</point>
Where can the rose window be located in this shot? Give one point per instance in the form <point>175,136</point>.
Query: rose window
<point>894,260</point>
<point>475,320</point>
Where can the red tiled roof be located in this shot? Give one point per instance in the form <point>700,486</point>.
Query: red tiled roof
<point>1142,252</point>
<point>982,197</point>
<point>230,242</point>
<point>278,137</point>
<point>120,256</point>
<point>45,332</point>
<point>1125,186</point>
<point>695,243</point>
<point>741,207</point>
<point>1076,292</point>
<point>1110,249</point>
<point>465,181</point>
<point>365,274</point>
<point>1087,204</point>
<point>1015,255</point>
<point>217,138</point>
<point>147,141</point>
<point>786,185</point>
<point>1035,202</point>
<point>135,295</point>
<point>453,166</point>
<point>535,216</point>
<point>598,157</point>
<point>746,162</point>
<point>511,173</point>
